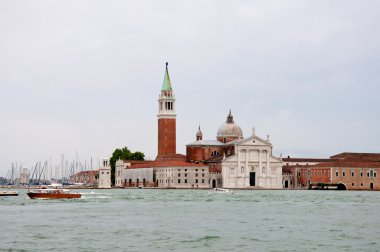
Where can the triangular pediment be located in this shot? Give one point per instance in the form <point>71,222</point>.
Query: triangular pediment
<point>254,141</point>
<point>232,158</point>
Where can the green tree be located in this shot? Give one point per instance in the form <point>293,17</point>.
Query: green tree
<point>137,156</point>
<point>123,154</point>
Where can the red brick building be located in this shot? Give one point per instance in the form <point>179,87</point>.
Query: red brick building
<point>359,175</point>
<point>297,172</point>
<point>85,177</point>
<point>307,175</point>
<point>351,171</point>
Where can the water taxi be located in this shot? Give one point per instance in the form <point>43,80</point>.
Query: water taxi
<point>54,191</point>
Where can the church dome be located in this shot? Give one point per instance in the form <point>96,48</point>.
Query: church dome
<point>229,130</point>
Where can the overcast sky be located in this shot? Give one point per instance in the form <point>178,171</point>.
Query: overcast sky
<point>84,76</point>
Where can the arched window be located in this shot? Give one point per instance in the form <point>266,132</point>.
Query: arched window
<point>371,173</point>
<point>215,153</point>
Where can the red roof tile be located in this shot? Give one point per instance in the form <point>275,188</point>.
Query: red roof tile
<point>306,159</point>
<point>360,164</point>
<point>214,169</point>
<point>86,173</point>
<point>358,156</point>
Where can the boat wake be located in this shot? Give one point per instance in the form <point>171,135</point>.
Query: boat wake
<point>95,197</point>
<point>94,193</point>
<point>221,190</point>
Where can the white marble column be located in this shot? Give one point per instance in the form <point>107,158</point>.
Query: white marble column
<point>238,160</point>
<point>260,169</point>
<point>246,169</point>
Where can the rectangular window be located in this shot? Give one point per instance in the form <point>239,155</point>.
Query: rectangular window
<point>196,181</point>
<point>203,169</point>
<point>185,174</point>
<point>179,174</point>
<point>179,181</point>
<point>185,169</point>
<point>344,174</point>
<point>196,169</point>
<point>337,173</point>
<point>203,181</point>
<point>361,174</point>
<point>203,174</point>
<point>352,174</point>
<point>185,181</point>
<point>353,184</point>
<point>196,174</point>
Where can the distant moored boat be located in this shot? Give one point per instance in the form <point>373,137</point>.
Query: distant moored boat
<point>8,193</point>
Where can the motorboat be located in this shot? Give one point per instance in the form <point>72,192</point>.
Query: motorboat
<point>53,191</point>
<point>8,193</point>
<point>222,190</point>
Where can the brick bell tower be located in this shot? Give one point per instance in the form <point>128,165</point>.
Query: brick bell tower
<point>166,120</point>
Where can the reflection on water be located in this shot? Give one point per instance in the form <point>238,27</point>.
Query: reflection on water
<point>187,220</point>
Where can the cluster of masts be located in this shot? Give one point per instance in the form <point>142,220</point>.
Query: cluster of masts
<point>44,173</point>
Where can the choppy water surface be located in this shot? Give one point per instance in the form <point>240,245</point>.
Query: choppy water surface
<point>193,220</point>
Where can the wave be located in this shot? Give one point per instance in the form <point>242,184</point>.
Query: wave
<point>94,193</point>
<point>96,197</point>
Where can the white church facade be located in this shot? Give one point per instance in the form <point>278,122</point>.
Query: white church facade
<point>252,166</point>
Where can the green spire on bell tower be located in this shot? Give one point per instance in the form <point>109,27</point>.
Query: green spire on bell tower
<point>166,86</point>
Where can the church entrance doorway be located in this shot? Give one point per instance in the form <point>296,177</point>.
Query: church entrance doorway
<point>252,178</point>
<point>286,184</point>
<point>213,183</point>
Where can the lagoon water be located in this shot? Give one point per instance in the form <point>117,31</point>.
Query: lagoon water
<point>193,220</point>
